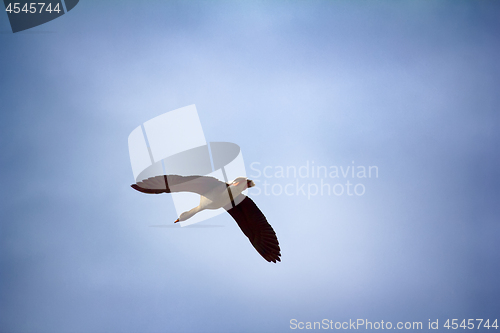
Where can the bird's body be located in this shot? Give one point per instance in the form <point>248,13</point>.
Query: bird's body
<point>215,194</point>
<point>215,198</point>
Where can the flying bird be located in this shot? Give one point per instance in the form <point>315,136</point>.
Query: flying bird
<point>215,194</point>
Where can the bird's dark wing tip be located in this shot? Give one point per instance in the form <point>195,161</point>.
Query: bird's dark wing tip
<point>136,187</point>
<point>275,259</point>
<point>147,190</point>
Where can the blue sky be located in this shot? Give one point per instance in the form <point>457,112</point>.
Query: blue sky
<point>410,87</point>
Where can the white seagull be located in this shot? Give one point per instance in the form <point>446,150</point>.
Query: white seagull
<point>214,194</point>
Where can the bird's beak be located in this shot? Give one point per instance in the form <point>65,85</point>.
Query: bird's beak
<point>176,221</point>
<point>250,183</point>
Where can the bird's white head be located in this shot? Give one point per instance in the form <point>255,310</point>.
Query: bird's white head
<point>242,182</point>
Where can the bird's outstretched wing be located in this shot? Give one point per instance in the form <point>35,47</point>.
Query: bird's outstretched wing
<point>255,226</point>
<point>175,183</point>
